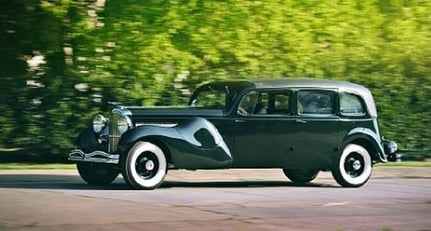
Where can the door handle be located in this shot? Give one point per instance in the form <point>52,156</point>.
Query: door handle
<point>301,121</point>
<point>239,121</point>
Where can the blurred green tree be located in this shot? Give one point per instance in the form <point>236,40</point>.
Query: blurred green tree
<point>62,61</point>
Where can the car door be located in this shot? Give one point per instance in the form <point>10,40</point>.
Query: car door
<point>316,139</point>
<point>264,129</point>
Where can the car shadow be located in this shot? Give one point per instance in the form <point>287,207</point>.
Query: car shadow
<point>239,184</point>
<point>72,182</point>
<point>45,181</point>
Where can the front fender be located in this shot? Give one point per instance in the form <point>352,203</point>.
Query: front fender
<point>193,144</point>
<point>370,136</point>
<point>87,141</point>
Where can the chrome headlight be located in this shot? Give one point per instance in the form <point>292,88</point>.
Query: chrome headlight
<point>99,122</point>
<point>123,124</point>
<point>392,147</point>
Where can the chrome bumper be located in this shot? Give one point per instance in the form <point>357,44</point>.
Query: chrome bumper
<point>78,155</point>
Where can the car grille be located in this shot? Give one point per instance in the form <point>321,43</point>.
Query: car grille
<point>114,133</point>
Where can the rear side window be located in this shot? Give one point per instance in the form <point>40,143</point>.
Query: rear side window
<point>351,105</point>
<point>316,102</point>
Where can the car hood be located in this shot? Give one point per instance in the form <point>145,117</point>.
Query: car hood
<point>138,114</point>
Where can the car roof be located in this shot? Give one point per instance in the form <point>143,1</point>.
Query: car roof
<point>263,83</point>
<point>288,83</point>
<point>303,83</point>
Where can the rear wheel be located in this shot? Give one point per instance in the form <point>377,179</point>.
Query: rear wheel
<point>301,175</point>
<point>145,166</point>
<point>353,167</point>
<point>97,174</point>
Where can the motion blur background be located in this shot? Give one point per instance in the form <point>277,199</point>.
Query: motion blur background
<point>63,61</point>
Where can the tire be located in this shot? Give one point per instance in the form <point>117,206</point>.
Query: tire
<point>353,167</point>
<point>97,174</point>
<point>301,175</point>
<point>145,166</point>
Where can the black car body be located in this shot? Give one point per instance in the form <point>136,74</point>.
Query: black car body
<point>302,126</point>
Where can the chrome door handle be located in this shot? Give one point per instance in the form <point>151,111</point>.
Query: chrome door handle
<point>239,121</point>
<point>301,121</point>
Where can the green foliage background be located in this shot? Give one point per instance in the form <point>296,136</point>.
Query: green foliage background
<point>156,52</point>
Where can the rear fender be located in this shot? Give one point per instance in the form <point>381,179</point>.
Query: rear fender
<point>373,142</point>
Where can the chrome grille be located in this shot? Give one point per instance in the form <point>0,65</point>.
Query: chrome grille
<point>118,115</point>
<point>114,134</point>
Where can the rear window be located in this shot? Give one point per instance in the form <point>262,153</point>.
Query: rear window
<point>351,105</point>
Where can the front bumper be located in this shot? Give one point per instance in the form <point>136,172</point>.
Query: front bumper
<point>78,155</point>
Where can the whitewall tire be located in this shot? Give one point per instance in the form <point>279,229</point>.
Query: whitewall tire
<point>353,167</point>
<point>145,166</point>
<point>97,174</point>
<point>301,175</point>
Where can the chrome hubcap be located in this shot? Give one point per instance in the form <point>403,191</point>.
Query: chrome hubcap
<point>356,165</point>
<point>149,165</point>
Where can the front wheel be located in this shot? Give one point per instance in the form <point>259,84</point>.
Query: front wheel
<point>97,174</point>
<point>353,167</point>
<point>145,166</point>
<point>301,175</point>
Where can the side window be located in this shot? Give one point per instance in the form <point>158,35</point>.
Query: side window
<point>281,103</point>
<point>316,102</point>
<point>253,103</point>
<point>351,105</point>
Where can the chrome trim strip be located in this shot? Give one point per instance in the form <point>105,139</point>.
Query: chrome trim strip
<point>166,125</point>
<point>78,155</point>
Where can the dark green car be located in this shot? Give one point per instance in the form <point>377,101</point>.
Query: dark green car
<point>301,126</point>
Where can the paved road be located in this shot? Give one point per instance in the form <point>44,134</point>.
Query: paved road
<point>394,199</point>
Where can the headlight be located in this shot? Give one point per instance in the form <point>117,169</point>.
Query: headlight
<point>392,147</point>
<point>123,124</point>
<point>99,122</point>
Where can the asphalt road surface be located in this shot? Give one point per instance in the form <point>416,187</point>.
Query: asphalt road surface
<point>393,199</point>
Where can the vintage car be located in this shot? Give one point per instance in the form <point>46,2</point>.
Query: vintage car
<point>301,126</point>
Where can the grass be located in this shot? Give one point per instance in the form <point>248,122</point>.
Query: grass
<point>386,228</point>
<point>23,166</point>
<point>405,164</point>
<point>33,224</point>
